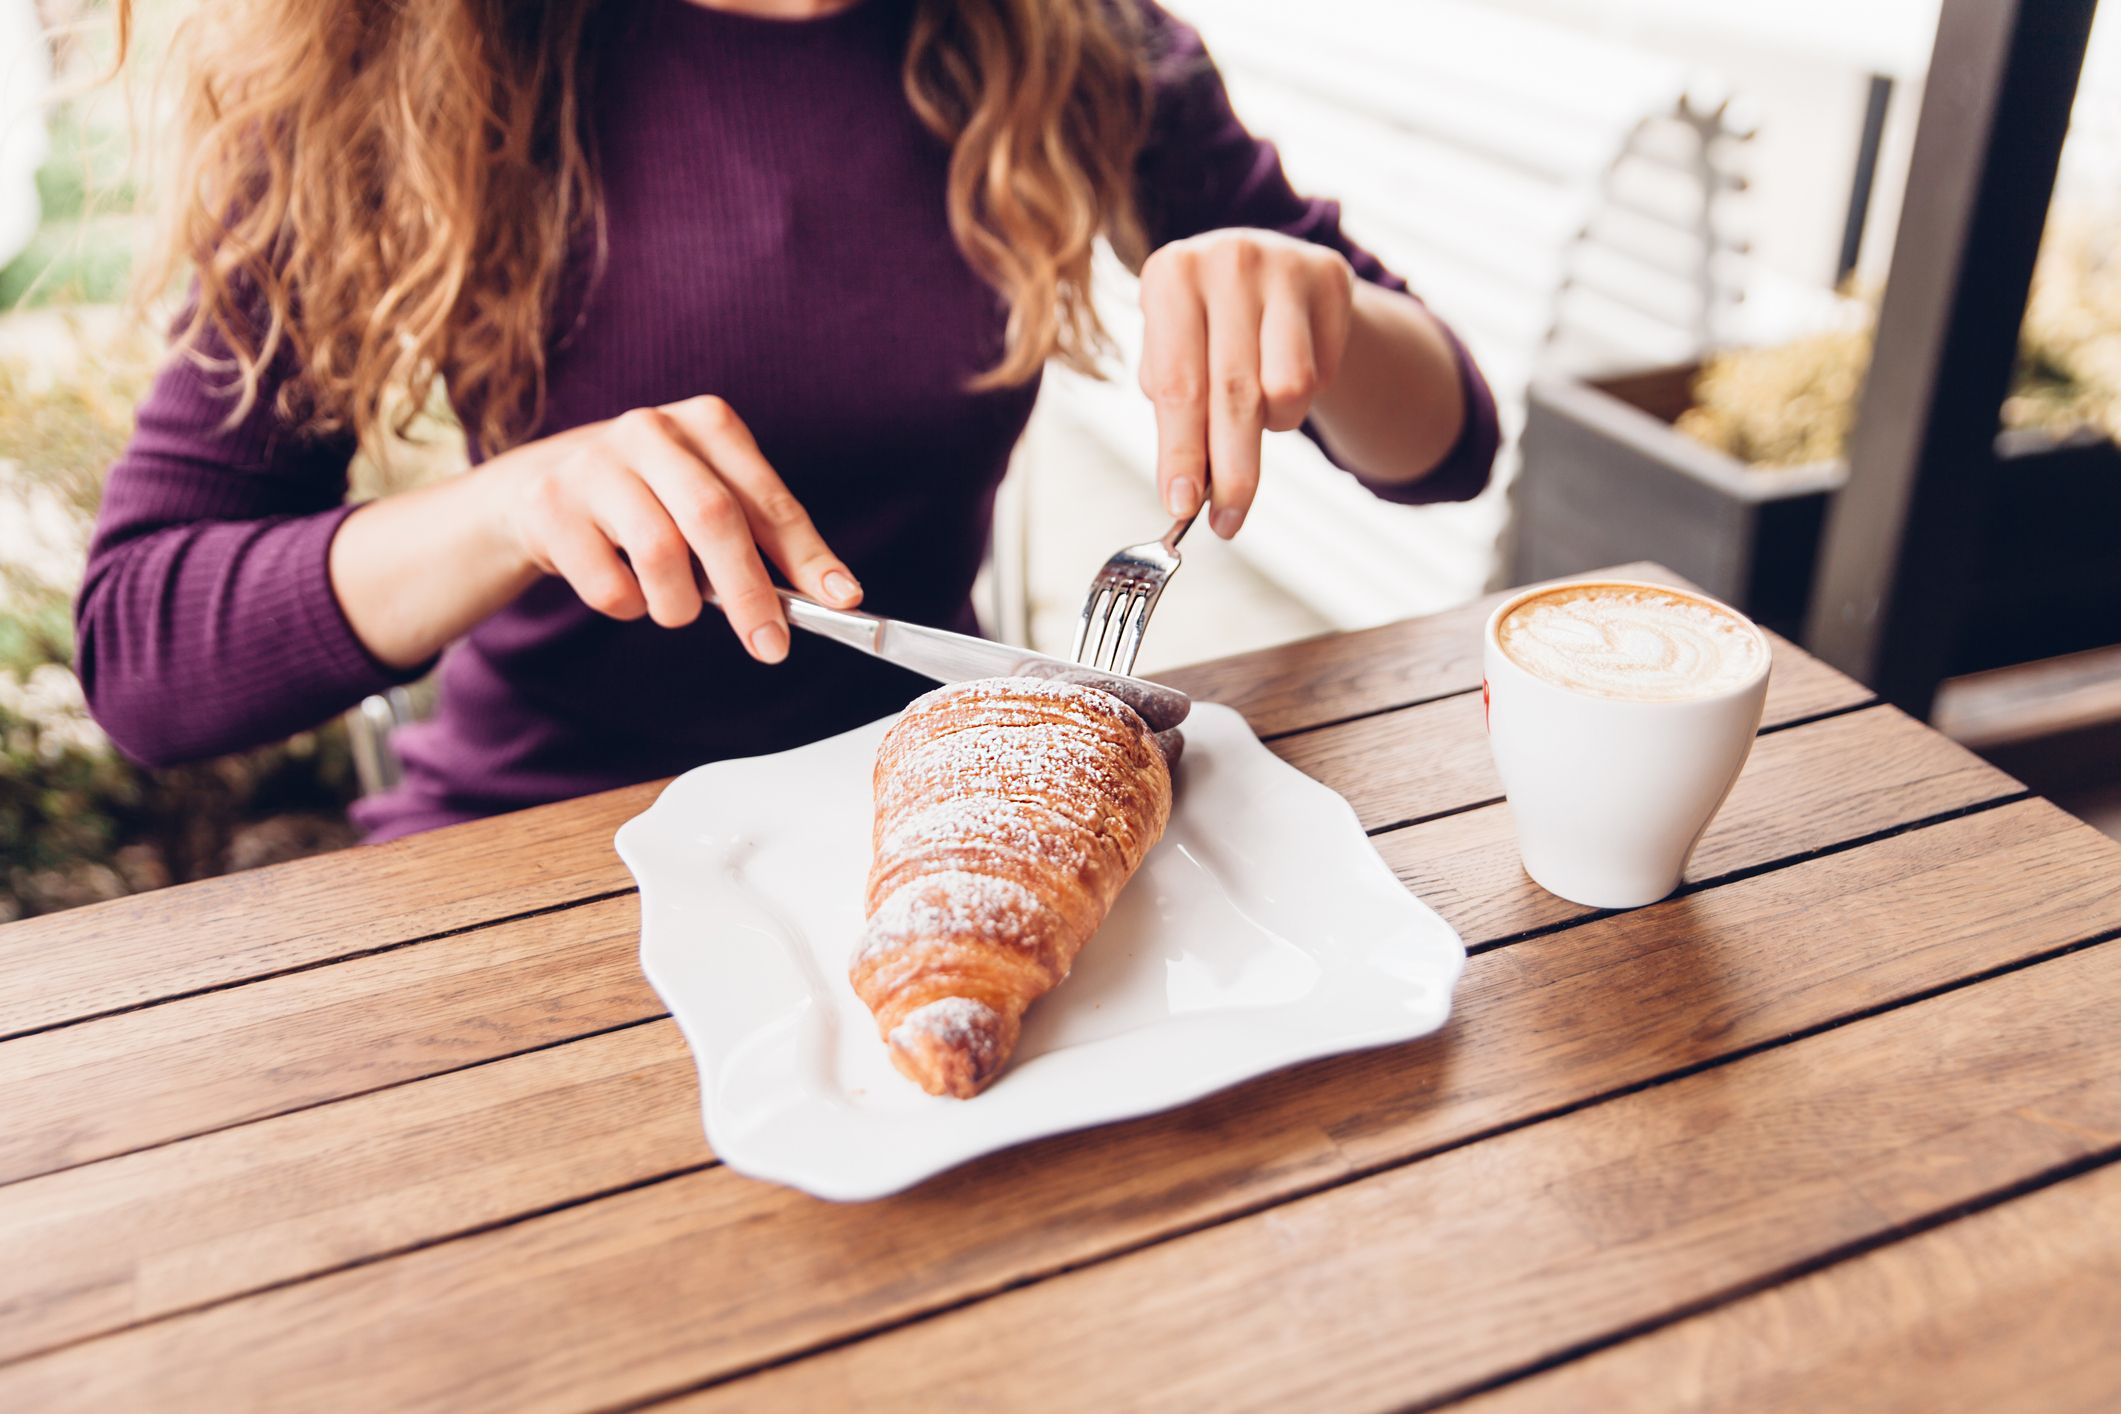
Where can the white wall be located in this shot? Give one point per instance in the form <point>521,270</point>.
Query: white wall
<point>25,74</point>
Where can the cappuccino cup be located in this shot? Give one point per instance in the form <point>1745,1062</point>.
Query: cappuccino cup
<point>1619,714</point>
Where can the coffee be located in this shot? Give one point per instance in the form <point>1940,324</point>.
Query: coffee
<point>1620,716</point>
<point>1632,642</point>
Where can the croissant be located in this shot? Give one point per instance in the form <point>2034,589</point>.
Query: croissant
<point>1009,814</point>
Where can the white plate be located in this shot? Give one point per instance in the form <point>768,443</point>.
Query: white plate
<point>1262,931</point>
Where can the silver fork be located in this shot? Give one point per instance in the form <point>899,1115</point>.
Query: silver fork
<point>1122,595</point>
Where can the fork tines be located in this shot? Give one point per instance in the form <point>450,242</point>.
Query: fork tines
<point>1122,595</point>
<point>1115,615</point>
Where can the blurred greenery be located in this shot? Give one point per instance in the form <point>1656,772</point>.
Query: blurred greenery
<point>77,821</point>
<point>83,176</point>
<point>70,262</point>
<point>82,250</point>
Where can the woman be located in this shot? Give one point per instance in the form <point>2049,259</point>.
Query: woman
<point>717,287</point>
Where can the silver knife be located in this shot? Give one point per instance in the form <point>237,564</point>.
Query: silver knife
<point>958,657</point>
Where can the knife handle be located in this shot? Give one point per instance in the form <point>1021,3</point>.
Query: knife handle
<point>849,626</point>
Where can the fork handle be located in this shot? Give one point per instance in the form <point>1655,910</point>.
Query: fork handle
<point>1178,530</point>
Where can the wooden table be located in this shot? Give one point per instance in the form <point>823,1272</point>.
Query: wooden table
<point>404,1127</point>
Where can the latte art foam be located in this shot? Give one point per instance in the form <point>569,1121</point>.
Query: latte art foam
<point>1628,641</point>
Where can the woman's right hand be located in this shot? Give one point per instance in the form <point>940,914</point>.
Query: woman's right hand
<point>623,509</point>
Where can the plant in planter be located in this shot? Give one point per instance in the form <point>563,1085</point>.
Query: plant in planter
<point>1723,469</point>
<point>78,822</point>
<point>1607,477</point>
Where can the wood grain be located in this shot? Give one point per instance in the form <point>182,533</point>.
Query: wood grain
<point>92,961</point>
<point>1805,789</point>
<point>1281,688</point>
<point>99,959</point>
<point>88,961</point>
<point>1873,769</point>
<point>133,1238</point>
<point>1435,1276</point>
<point>2012,1308</point>
<point>1414,763</point>
<point>1292,686</point>
<point>145,1077</point>
<point>159,1073</point>
<point>711,1273</point>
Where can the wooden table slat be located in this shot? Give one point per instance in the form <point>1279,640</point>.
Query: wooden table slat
<point>2014,1307</point>
<point>1545,1238</point>
<point>130,1239</point>
<point>1414,762</point>
<point>1287,687</point>
<point>405,1127</point>
<point>1815,787</point>
<point>671,1283</point>
<point>218,932</point>
<point>1292,686</point>
<point>1872,775</point>
<point>321,1034</point>
<point>146,1077</point>
<point>92,961</point>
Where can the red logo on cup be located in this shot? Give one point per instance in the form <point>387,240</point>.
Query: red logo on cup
<point>1487,718</point>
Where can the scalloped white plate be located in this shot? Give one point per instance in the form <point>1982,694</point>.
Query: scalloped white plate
<point>1263,930</point>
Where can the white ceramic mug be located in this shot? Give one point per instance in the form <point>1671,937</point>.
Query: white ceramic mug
<point>1610,794</point>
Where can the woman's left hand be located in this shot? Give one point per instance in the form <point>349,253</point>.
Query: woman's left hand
<point>1243,330</point>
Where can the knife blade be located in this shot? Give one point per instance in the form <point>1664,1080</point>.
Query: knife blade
<point>957,657</point>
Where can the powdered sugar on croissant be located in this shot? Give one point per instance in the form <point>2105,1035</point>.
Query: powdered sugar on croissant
<point>1009,814</point>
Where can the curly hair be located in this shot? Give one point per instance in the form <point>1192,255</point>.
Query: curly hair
<point>385,193</point>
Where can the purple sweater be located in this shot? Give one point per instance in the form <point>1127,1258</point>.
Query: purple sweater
<point>776,236</point>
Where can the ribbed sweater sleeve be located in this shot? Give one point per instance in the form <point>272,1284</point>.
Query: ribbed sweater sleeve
<point>1200,170</point>
<point>206,621</point>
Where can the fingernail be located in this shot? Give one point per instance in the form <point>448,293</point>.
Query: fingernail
<point>769,643</point>
<point>1182,497</point>
<point>840,585</point>
<point>1226,521</point>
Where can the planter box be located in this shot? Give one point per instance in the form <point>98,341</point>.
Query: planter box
<point>2047,579</point>
<point>1605,479</point>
